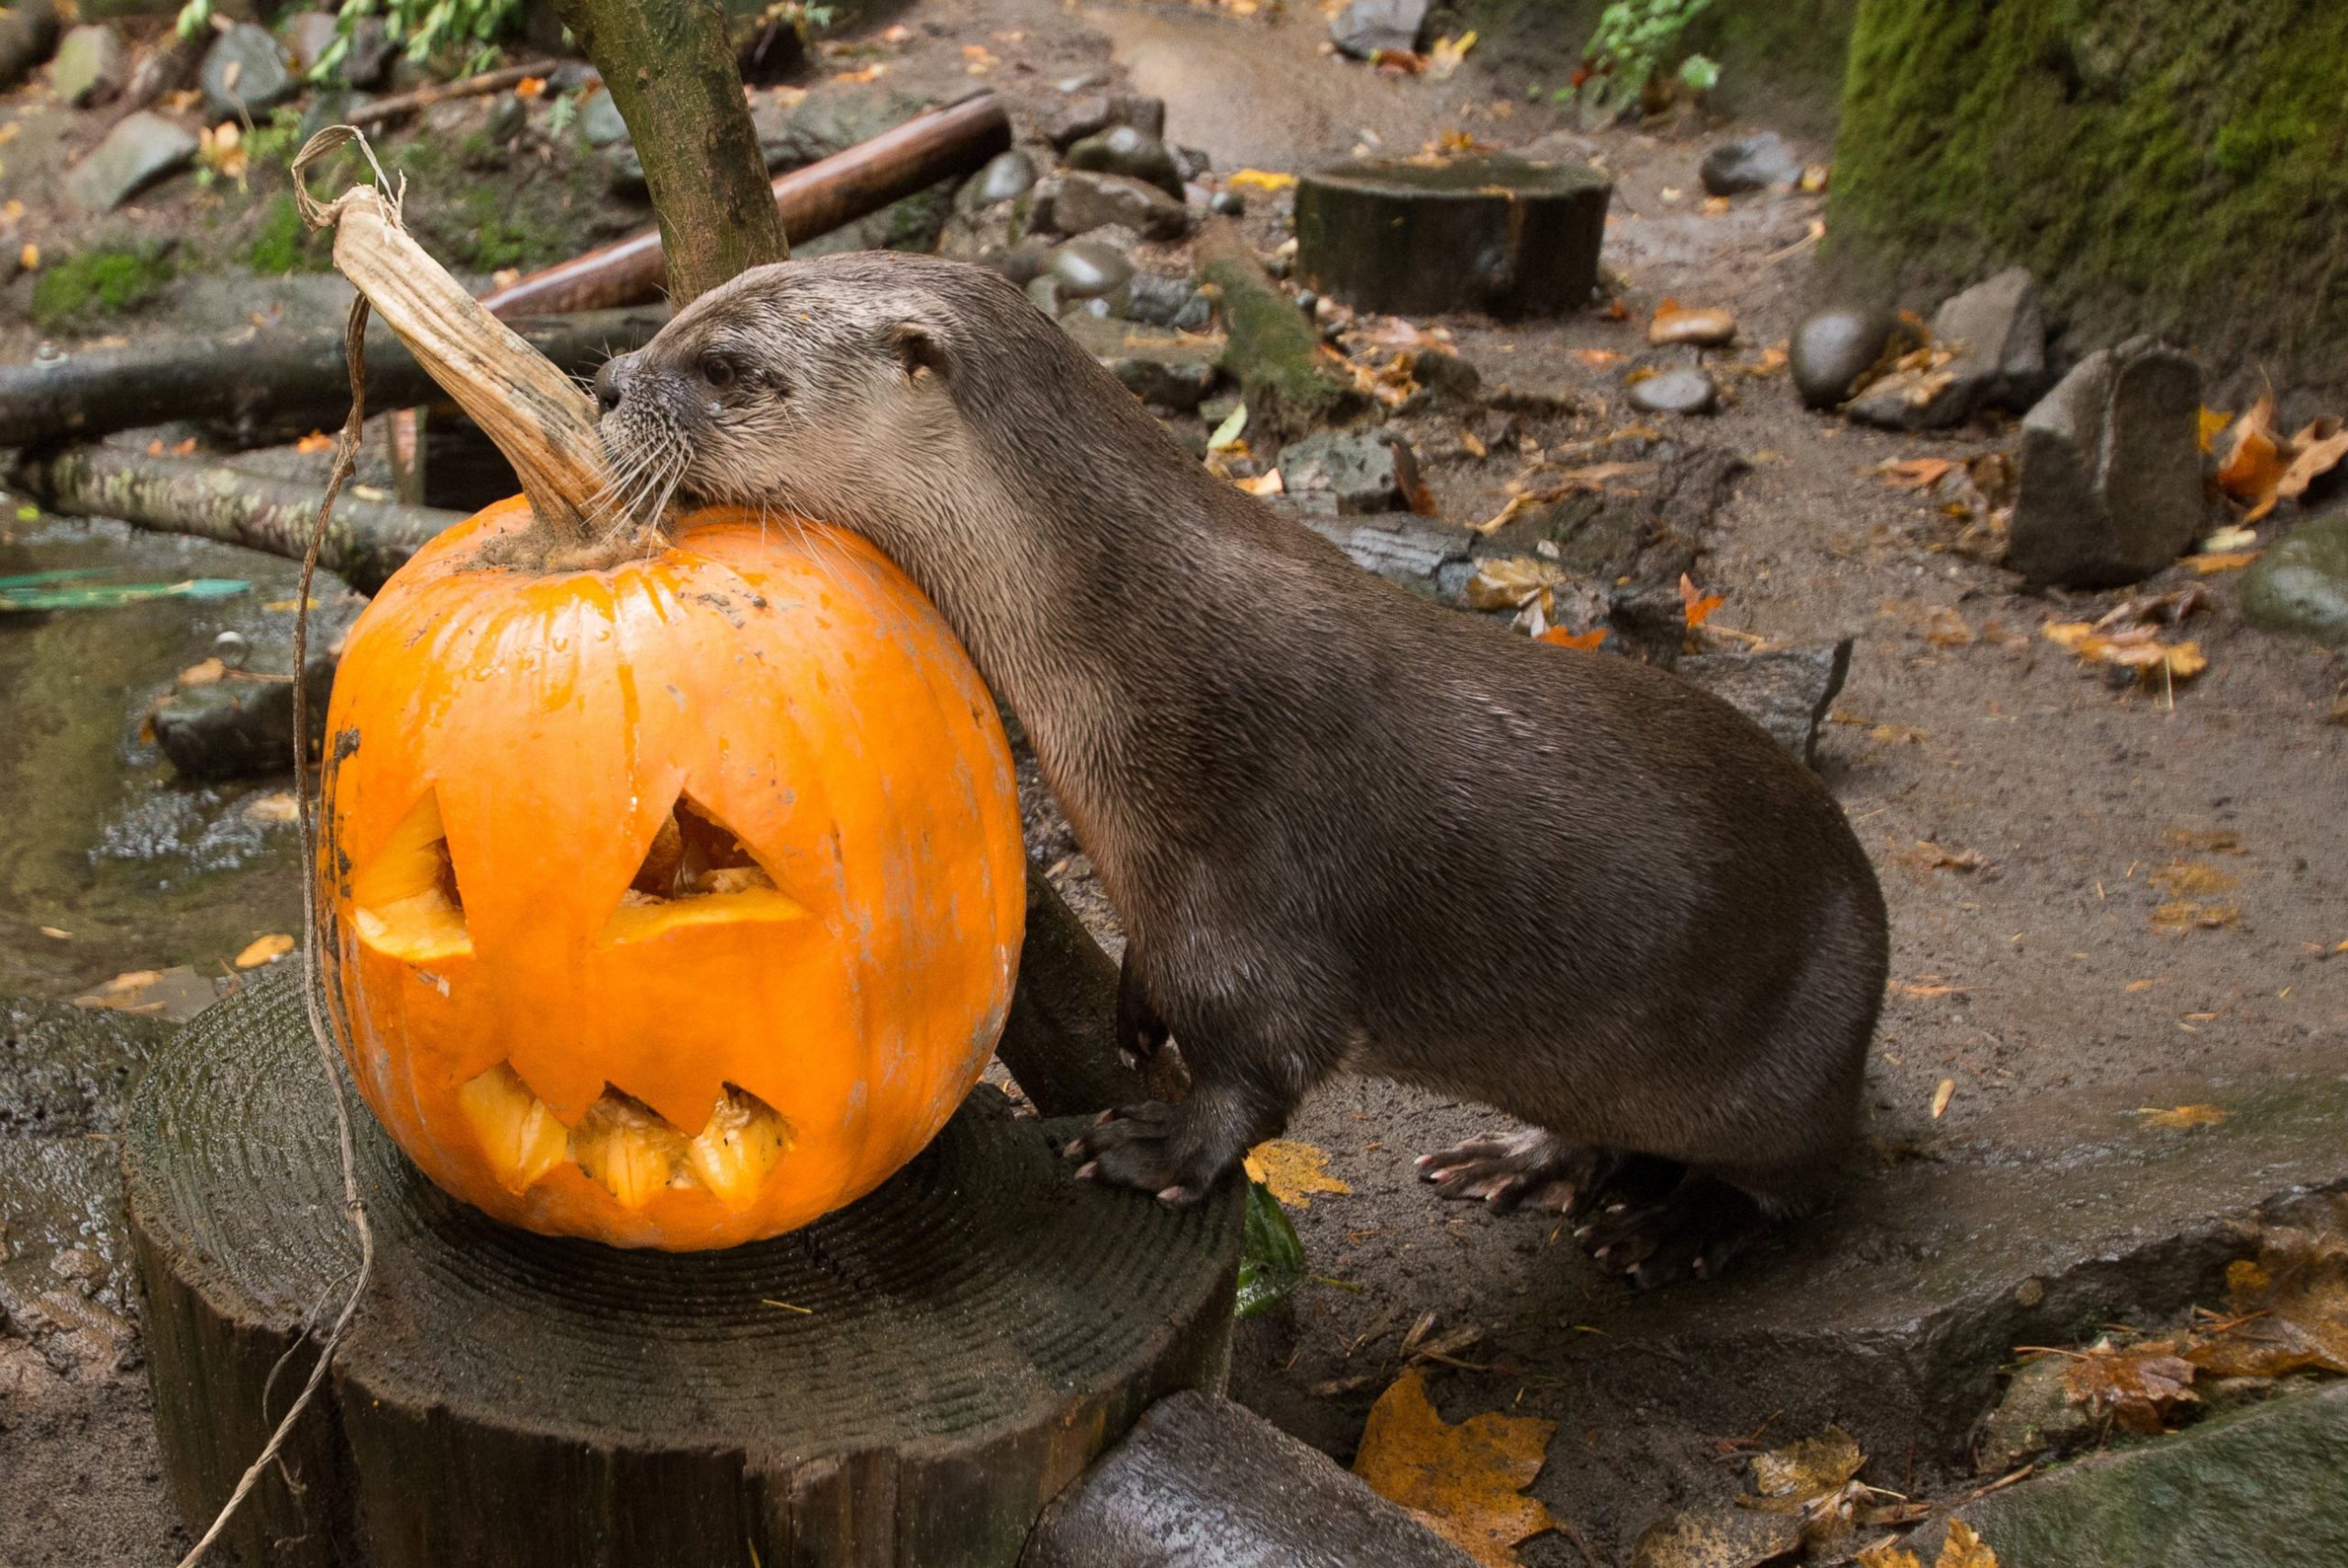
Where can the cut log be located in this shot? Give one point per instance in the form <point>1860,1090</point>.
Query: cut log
<point>399,105</point>
<point>906,1382</point>
<point>1202,1483</point>
<point>1504,235</point>
<point>260,383</point>
<point>814,200</point>
<point>1269,347</point>
<point>366,541</point>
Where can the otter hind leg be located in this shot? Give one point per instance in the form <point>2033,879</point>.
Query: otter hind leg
<point>1533,1169</point>
<point>1692,1226</point>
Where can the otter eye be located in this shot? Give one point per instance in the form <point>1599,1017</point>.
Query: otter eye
<point>717,369</point>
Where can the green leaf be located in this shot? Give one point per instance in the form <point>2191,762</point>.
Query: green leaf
<point>1700,73</point>
<point>1272,1259</point>
<point>63,595</point>
<point>1227,432</point>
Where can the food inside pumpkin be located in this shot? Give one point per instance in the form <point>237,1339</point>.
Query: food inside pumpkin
<point>623,1143</point>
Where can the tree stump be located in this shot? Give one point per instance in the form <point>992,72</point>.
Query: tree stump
<point>905,1382</point>
<point>1505,236</point>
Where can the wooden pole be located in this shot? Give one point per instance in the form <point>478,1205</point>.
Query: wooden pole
<point>671,70</point>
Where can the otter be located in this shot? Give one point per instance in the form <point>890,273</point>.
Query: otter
<point>1342,825</point>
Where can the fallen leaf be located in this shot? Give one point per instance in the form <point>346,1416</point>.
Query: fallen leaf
<point>1915,989</point>
<point>1473,445</point>
<point>2182,915</point>
<point>2183,879</point>
<point>1266,483</point>
<point>1259,179</point>
<point>315,441</point>
<point>1599,358</point>
<point>1293,1170</point>
<point>2184,1117</point>
<point>1697,607</point>
<point>2211,424</point>
<point>2208,564</point>
<point>2314,452</point>
<point>2231,538</point>
<point>1811,1468</point>
<point>1815,176</point>
<point>53,932</point>
<point>1915,474</point>
<point>1227,434</point>
<point>1933,856</point>
<point>2138,1387</point>
<point>1947,629</point>
<point>2254,463</point>
<point>277,806</point>
<point>1565,639</point>
<point>1963,1549</point>
<point>1888,1555</point>
<point>871,72</point>
<point>264,950</point>
<point>206,672</point>
<point>1465,1481</point>
<point>1444,58</point>
<point>1942,1092</point>
<point>2290,1308</point>
<point>1510,582</point>
<point>1702,326</point>
<point>28,257</point>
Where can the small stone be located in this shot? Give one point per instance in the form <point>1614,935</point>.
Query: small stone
<point>238,729</point>
<point>507,120</point>
<point>1833,348</point>
<point>2003,362</point>
<point>1065,125</point>
<point>1424,556</point>
<point>1445,377</point>
<point>1366,26</point>
<point>1068,86</point>
<point>1137,154</point>
<point>1179,387</point>
<point>91,66</point>
<point>1007,175</point>
<point>1704,328</point>
<point>1025,261</point>
<point>308,35</point>
<point>367,62</point>
<point>142,148</point>
<point>1145,113</point>
<point>2300,584</point>
<point>1045,291</point>
<point>1155,300</point>
<point>1365,471</point>
<point>2036,1417</point>
<point>1086,270</point>
<point>599,124</point>
<point>1191,163</point>
<point>2109,485</point>
<point>1786,692</point>
<point>1196,314</point>
<point>1086,200</point>
<point>1749,163</point>
<point>1230,204</point>
<point>244,74</point>
<point>1675,392</point>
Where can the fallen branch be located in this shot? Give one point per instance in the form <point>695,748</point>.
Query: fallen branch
<point>366,539</point>
<point>811,200</point>
<point>403,103</point>
<point>1270,347</point>
<point>263,384</point>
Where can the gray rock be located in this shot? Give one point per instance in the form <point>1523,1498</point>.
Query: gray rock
<point>1675,392</point>
<point>1179,385</point>
<point>1367,470</point>
<point>2036,1416</point>
<point>2257,1488</point>
<point>1229,203</point>
<point>366,64</point>
<point>1445,378</point>
<point>1026,260</point>
<point>141,149</point>
<point>2003,361</point>
<point>1084,269</point>
<point>2300,584</point>
<point>1085,201</point>
<point>91,66</point>
<point>599,124</point>
<point>508,118</point>
<point>1045,291</point>
<point>1066,124</point>
<point>1749,163</point>
<point>308,35</point>
<point>830,118</point>
<point>2108,489</point>
<point>238,729</point>
<point>1006,176</point>
<point>1786,692</point>
<point>1196,314</point>
<point>1398,546</point>
<point>1834,347</point>
<point>245,73</point>
<point>1191,163</point>
<point>1137,154</point>
<point>1366,26</point>
<point>1157,301</point>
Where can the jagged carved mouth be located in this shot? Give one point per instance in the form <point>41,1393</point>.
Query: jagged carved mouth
<point>623,1143</point>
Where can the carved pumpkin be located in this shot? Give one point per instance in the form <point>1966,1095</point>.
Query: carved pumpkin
<point>679,902</point>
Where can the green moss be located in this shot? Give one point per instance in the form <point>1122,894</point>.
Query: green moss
<point>285,244</point>
<point>99,283</point>
<point>2163,165</point>
<point>502,234</point>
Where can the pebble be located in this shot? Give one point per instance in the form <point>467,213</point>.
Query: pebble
<point>1675,392</point>
<point>1749,163</point>
<point>599,120</point>
<point>1006,175</point>
<point>91,66</point>
<point>1086,200</point>
<point>244,74</point>
<point>308,35</point>
<point>1230,204</point>
<point>1366,26</point>
<point>1084,269</point>
<point>2300,584</point>
<point>1834,347</point>
<point>1132,152</point>
<point>140,150</point>
<point>1705,328</point>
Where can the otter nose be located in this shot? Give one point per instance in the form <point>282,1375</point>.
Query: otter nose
<point>608,387</point>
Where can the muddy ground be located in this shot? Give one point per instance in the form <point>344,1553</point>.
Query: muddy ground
<point>2036,982</point>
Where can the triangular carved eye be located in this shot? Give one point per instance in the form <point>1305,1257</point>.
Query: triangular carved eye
<point>696,872</point>
<point>405,902</point>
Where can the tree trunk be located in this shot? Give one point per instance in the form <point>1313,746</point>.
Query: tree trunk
<point>906,1382</point>
<point>669,69</point>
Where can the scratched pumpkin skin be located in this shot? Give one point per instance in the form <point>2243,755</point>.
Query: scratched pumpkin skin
<point>678,903</point>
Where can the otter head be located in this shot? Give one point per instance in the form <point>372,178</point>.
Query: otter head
<point>826,387</point>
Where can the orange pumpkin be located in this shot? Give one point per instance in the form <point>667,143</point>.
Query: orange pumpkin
<point>677,903</point>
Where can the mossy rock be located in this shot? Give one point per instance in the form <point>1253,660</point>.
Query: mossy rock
<point>99,283</point>
<point>2173,169</point>
<point>2300,584</point>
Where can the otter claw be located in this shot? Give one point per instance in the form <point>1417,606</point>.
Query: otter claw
<point>1089,1171</point>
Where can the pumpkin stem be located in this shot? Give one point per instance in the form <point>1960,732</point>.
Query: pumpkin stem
<point>542,421</point>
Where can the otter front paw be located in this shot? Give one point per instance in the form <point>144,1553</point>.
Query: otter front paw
<point>1170,1150</point>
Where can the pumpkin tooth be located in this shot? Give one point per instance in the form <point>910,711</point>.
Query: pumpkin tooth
<point>624,1144</point>
<point>518,1134</point>
<point>741,1144</point>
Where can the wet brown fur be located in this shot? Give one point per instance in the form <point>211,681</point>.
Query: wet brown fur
<point>1342,825</point>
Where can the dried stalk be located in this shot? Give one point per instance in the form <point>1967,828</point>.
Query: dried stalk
<point>542,421</point>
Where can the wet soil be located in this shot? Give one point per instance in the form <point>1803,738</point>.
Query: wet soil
<point>2037,985</point>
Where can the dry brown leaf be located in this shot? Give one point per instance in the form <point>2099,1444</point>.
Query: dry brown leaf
<point>206,672</point>
<point>1696,606</point>
<point>1598,358</point>
<point>1915,474</point>
<point>1510,582</point>
<point>264,950</point>
<point>1811,1468</point>
<point>2190,879</point>
<point>1942,1092</point>
<point>277,806</point>
<point>1701,324</point>
<point>2183,1116</point>
<point>2256,461</point>
<point>2139,648</point>
<point>1963,1549</point>
<point>2212,424</point>
<point>2290,1307</point>
<point>1888,1555</point>
<point>1267,483</point>
<point>314,442</point>
<point>1473,445</point>
<point>2209,840</point>
<point>1293,1170</point>
<point>2314,452</point>
<point>1947,629</point>
<point>2138,1387</point>
<point>1940,858</point>
<point>1466,1482</point>
<point>2211,563</point>
<point>1924,988</point>
<point>2182,915</point>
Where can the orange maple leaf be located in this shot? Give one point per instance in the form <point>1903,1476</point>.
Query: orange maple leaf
<point>1696,605</point>
<point>1565,639</point>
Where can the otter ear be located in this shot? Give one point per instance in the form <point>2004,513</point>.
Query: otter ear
<point>918,349</point>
